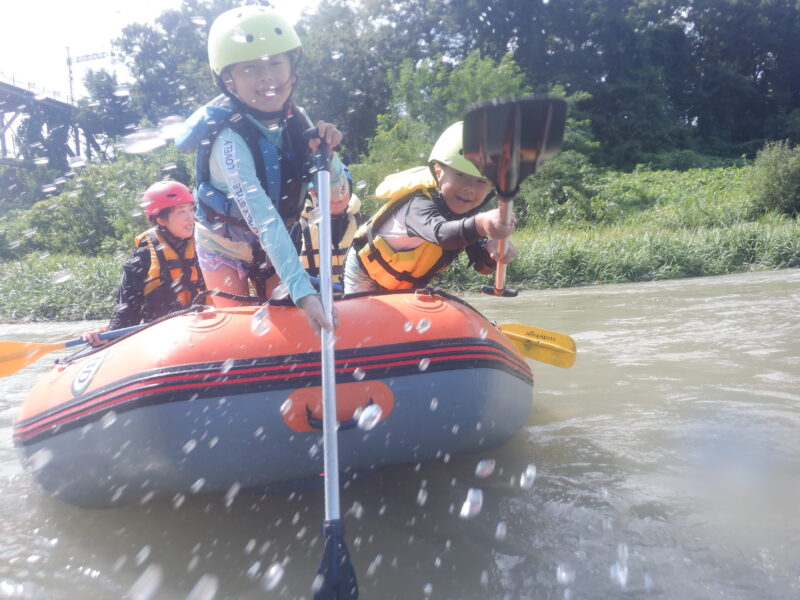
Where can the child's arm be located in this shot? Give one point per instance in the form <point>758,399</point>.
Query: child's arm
<point>233,170</point>
<point>425,220</point>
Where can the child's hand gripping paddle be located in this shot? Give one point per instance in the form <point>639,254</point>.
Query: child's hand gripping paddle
<point>507,140</point>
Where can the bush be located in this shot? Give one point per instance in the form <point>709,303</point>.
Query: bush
<point>774,179</point>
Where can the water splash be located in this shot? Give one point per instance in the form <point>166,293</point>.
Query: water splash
<point>205,589</point>
<point>423,325</point>
<point>40,459</point>
<point>62,276</point>
<point>369,417</point>
<point>147,585</point>
<point>359,374</point>
<point>143,141</point>
<point>473,504</point>
<point>528,477</point>
<point>259,322</point>
<point>485,468</point>
<point>273,576</point>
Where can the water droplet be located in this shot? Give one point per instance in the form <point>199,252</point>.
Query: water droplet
<point>408,326</point>
<point>565,574</point>
<point>483,333</point>
<point>359,374</point>
<point>434,403</point>
<point>122,91</point>
<point>142,141</point>
<point>315,216</point>
<point>427,589</point>
<point>178,500</point>
<point>227,365</point>
<point>618,573</point>
<point>281,292</point>
<point>260,323</point>
<point>197,485</point>
<point>76,162</point>
<point>143,555</point>
<point>528,477</point>
<point>147,585</point>
<point>170,127</point>
<point>42,160</point>
<point>336,55</point>
<point>501,531</point>
<point>108,419</point>
<point>422,496</point>
<point>357,510</point>
<point>423,364</point>
<point>189,446</point>
<point>200,21</point>
<point>376,562</point>
<point>423,325</point>
<point>361,185</point>
<point>62,276</point>
<point>317,584</point>
<point>485,467</point>
<point>286,406</point>
<point>252,572</point>
<point>369,417</point>
<point>622,553</point>
<point>231,494</point>
<point>205,589</point>
<point>40,459</point>
<point>473,504</point>
<point>313,450</point>
<point>273,576</point>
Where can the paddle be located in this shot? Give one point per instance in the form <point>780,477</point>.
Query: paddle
<point>336,578</point>
<point>18,355</point>
<point>551,347</point>
<point>508,139</point>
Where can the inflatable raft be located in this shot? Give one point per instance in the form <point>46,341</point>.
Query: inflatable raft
<point>222,400</point>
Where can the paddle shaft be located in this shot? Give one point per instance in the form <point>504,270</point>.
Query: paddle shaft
<point>506,207</point>
<point>329,425</point>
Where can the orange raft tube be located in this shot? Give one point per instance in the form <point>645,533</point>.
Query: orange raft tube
<point>212,400</point>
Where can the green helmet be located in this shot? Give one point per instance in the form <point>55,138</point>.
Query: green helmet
<point>449,151</point>
<point>248,33</point>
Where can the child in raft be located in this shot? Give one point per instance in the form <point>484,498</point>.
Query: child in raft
<point>430,217</point>
<point>251,167</point>
<point>162,274</point>
<point>345,221</point>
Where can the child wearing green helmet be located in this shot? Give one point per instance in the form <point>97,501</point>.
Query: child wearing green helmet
<point>431,216</point>
<point>252,168</point>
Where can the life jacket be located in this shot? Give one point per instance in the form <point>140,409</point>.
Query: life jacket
<point>309,253</point>
<point>282,172</point>
<point>173,280</point>
<point>406,269</point>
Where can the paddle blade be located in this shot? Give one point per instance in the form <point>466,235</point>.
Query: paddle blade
<point>507,139</point>
<point>551,347</point>
<point>336,578</point>
<point>15,356</point>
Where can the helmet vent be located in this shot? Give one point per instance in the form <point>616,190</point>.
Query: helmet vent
<point>279,31</point>
<point>249,37</point>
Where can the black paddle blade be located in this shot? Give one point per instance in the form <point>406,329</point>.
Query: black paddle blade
<point>336,578</point>
<point>507,139</point>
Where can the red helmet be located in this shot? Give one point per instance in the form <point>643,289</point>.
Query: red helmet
<point>165,194</point>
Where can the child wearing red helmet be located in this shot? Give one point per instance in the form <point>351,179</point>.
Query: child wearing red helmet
<point>162,274</point>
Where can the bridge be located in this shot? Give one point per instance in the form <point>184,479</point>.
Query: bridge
<point>20,99</point>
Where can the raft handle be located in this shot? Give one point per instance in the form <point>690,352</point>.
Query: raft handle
<point>351,423</point>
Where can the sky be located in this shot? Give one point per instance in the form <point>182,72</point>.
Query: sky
<point>35,35</point>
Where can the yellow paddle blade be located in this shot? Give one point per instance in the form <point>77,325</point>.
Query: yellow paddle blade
<point>551,347</point>
<point>18,355</point>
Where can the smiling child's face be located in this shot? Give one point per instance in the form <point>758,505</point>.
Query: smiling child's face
<point>264,83</point>
<point>461,192</point>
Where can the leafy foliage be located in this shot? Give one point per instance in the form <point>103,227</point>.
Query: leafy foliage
<point>774,180</point>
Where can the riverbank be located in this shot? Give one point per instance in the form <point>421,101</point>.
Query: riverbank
<point>39,288</point>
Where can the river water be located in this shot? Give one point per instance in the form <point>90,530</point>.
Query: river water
<point>667,466</point>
